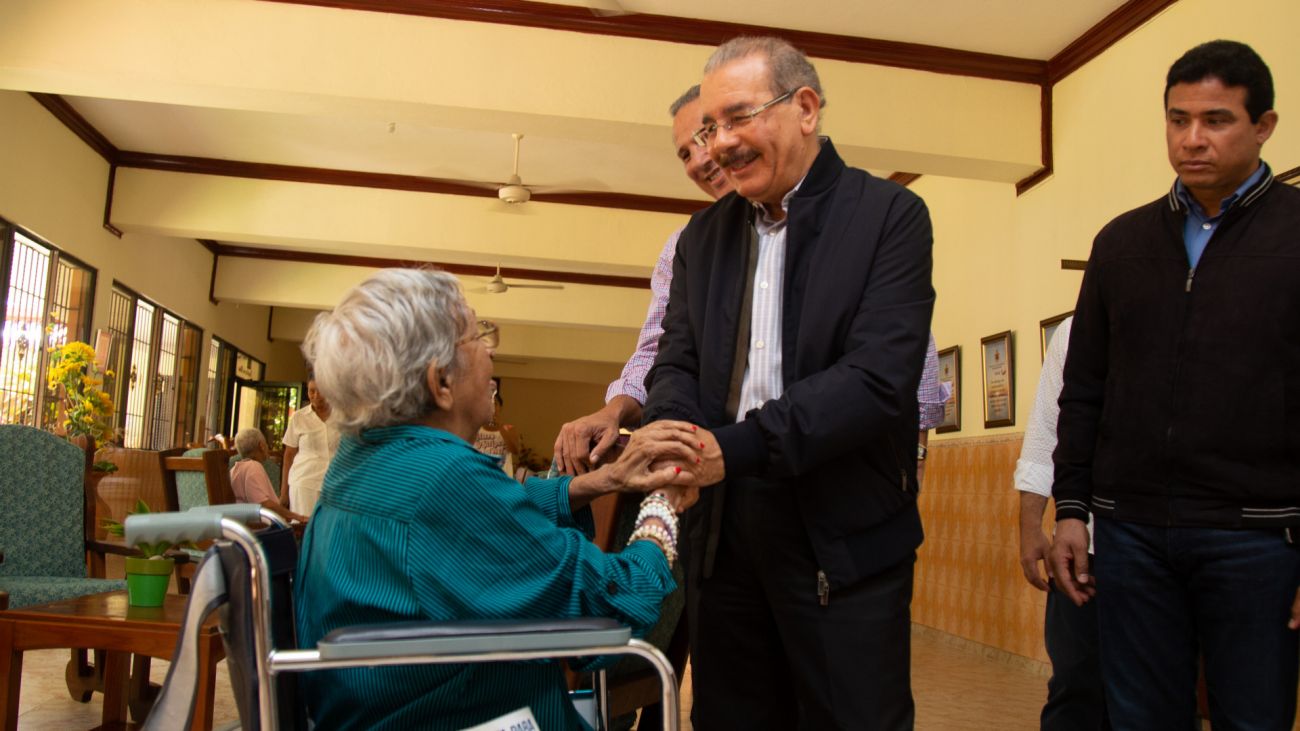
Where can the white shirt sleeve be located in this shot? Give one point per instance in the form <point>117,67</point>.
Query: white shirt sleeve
<point>1034,470</point>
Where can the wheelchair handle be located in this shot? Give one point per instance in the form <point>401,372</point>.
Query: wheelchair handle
<point>172,527</point>
<point>246,513</point>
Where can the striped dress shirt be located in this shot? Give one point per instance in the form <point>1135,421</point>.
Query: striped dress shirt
<point>930,394</point>
<point>414,524</point>
<point>763,381</point>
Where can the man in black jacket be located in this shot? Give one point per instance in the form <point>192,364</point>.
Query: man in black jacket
<point>1177,424</point>
<point>797,322</point>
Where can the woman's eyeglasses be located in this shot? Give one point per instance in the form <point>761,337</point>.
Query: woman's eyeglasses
<point>486,333</point>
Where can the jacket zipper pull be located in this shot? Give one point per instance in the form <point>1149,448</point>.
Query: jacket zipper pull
<point>902,474</point>
<point>823,589</point>
<point>1191,272</point>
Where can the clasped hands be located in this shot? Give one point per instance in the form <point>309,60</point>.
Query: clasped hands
<point>671,457</point>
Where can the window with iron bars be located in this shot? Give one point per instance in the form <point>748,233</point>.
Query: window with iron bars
<point>47,302</point>
<point>221,367</point>
<point>225,363</point>
<point>155,355</point>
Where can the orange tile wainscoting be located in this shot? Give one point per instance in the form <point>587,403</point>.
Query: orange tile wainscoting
<point>968,579</point>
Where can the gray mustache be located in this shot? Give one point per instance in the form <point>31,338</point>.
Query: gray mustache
<point>727,159</point>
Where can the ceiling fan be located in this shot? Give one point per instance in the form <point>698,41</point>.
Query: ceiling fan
<point>498,285</point>
<point>514,191</point>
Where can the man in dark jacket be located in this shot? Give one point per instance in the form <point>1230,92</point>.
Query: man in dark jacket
<point>797,322</point>
<point>1177,424</point>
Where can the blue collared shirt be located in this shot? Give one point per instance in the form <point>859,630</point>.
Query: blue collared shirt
<point>1199,227</point>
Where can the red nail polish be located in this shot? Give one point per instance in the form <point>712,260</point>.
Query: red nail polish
<point>694,427</point>
<point>677,470</point>
<point>701,445</point>
<point>697,460</point>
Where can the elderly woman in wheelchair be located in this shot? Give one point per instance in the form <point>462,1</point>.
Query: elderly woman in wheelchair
<point>414,524</point>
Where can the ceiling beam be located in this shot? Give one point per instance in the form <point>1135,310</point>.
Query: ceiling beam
<point>1123,20</point>
<point>541,275</point>
<point>675,29</point>
<point>77,124</point>
<point>1109,30</point>
<point>389,181</point>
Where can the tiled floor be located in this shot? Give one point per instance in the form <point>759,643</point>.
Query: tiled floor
<point>958,685</point>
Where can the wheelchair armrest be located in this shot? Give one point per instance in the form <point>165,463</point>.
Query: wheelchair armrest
<point>472,636</point>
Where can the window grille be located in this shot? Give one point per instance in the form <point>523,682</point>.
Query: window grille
<point>137,398</point>
<point>187,382</point>
<point>220,367</point>
<point>120,324</point>
<point>225,364</point>
<point>165,391</point>
<point>161,363</point>
<point>47,302</point>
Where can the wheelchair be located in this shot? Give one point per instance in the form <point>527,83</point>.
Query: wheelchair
<point>246,573</point>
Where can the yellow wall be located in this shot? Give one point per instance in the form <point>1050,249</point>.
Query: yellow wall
<point>997,256</point>
<point>52,185</point>
<point>538,408</point>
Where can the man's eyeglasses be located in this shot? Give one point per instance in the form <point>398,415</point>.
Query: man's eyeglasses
<point>486,333</point>
<point>704,135</point>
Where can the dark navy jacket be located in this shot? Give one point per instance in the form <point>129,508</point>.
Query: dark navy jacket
<point>1180,395</point>
<point>856,309</point>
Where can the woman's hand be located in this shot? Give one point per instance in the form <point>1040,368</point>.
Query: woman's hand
<point>665,453</point>
<point>659,454</point>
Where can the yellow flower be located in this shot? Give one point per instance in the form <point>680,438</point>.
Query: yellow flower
<point>86,406</point>
<point>79,349</point>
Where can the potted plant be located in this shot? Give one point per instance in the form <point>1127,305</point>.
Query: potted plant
<point>149,574</point>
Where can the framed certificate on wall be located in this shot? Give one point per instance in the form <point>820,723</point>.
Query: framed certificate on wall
<point>950,374</point>
<point>998,361</point>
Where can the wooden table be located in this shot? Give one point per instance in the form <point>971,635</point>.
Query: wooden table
<point>105,622</point>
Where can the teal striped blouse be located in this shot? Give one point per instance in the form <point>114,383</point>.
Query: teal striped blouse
<point>412,524</point>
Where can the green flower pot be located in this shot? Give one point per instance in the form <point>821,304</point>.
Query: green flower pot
<point>147,580</point>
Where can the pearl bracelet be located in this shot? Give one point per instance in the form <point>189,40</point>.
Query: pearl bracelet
<point>667,517</point>
<point>659,535</point>
<point>657,506</point>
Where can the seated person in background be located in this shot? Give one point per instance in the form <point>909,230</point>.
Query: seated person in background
<point>248,478</point>
<point>414,524</point>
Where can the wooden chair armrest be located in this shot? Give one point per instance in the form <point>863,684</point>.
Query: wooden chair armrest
<point>106,547</point>
<point>118,548</point>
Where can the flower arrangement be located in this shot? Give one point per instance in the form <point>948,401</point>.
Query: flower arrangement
<point>87,409</point>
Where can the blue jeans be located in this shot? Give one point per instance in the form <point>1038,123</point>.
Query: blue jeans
<point>1166,594</point>
<point>1075,698</point>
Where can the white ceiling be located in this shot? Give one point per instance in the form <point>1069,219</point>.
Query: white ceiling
<point>557,155</point>
<point>1022,28</point>
<point>583,131</point>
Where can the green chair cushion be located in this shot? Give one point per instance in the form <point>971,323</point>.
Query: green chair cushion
<point>41,504</point>
<point>27,590</point>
